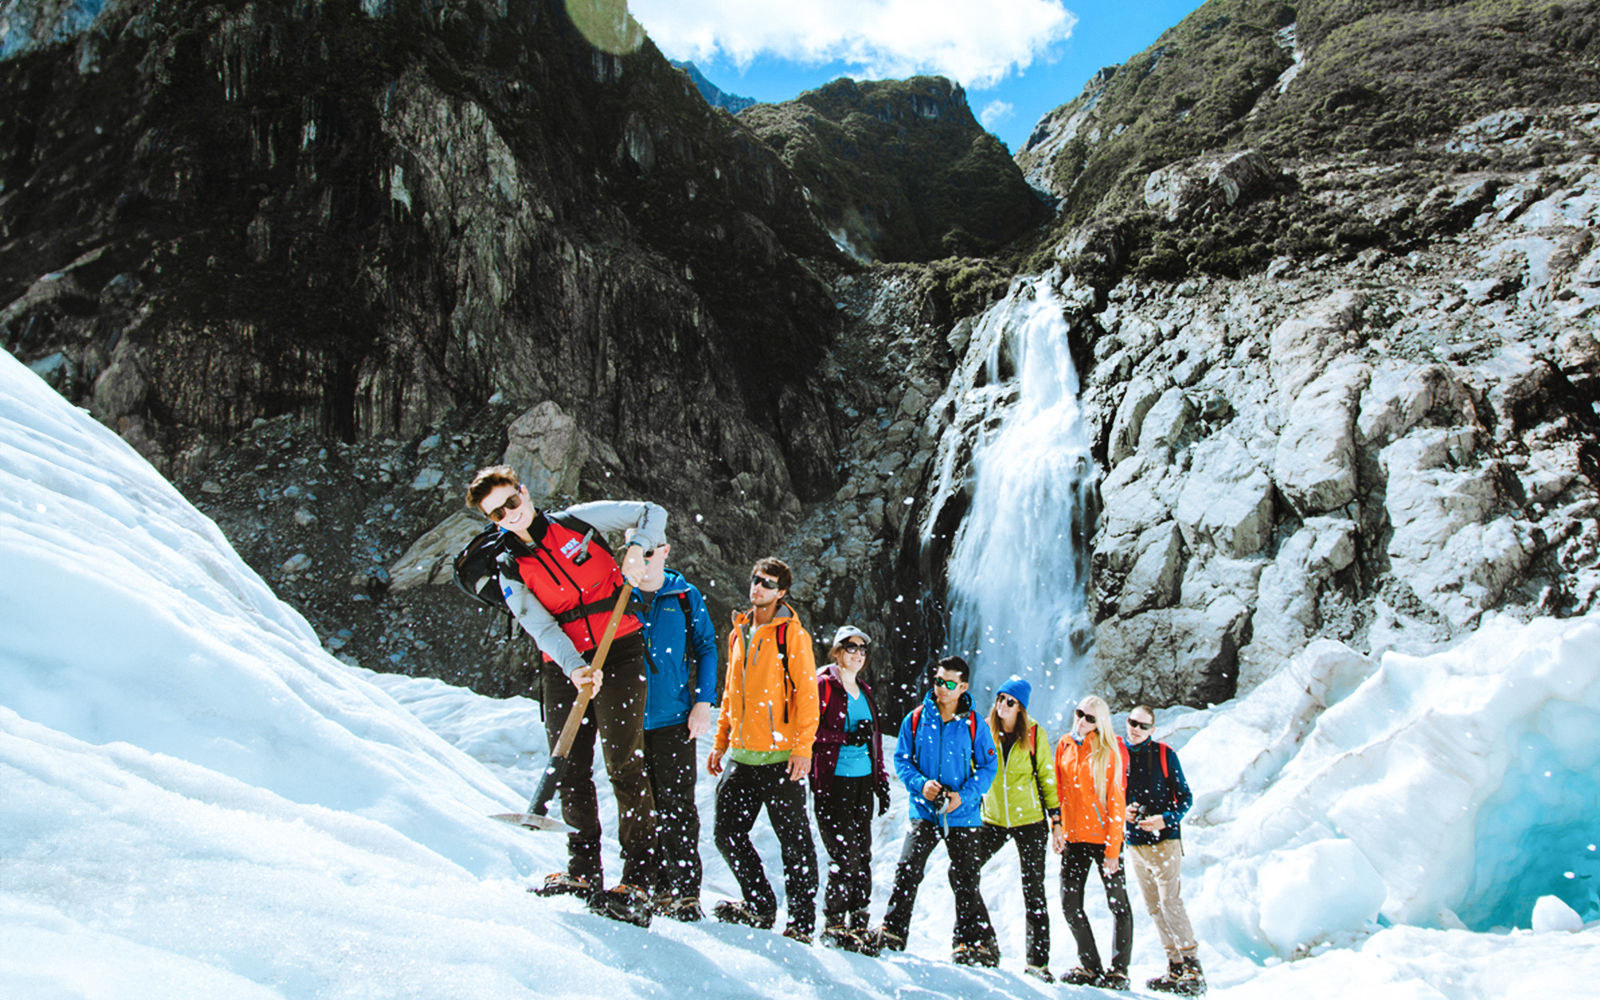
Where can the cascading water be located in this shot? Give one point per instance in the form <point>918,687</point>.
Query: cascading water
<point>1019,562</point>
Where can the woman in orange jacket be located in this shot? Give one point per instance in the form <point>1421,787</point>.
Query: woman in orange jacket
<point>1090,782</point>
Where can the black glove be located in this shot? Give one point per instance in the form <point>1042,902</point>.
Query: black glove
<point>860,734</point>
<point>883,799</point>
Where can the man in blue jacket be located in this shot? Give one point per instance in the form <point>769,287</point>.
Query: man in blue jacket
<point>1158,799</point>
<point>681,682</point>
<point>946,758</point>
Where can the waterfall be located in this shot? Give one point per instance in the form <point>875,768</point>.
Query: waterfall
<point>1019,562</point>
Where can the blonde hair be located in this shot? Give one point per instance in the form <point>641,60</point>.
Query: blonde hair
<point>1105,746</point>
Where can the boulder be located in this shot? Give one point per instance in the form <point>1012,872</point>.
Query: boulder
<point>1315,468</point>
<point>430,558</point>
<point>1398,397</point>
<point>1209,184</point>
<point>1226,499</point>
<point>1172,655</point>
<point>1302,348</point>
<point>548,449</point>
<point>1140,396</point>
<point>1167,419</point>
<point>1157,568</point>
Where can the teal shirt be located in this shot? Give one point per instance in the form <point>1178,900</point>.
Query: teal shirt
<point>855,762</point>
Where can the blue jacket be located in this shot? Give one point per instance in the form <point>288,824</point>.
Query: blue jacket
<point>681,658</point>
<point>1169,793</point>
<point>945,752</point>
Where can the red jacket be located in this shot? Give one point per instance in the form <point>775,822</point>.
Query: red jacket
<point>577,584</point>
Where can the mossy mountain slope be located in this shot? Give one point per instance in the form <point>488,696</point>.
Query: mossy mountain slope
<point>899,170</point>
<point>1301,83</point>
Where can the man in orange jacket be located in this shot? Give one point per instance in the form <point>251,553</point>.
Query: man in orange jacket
<point>768,722</point>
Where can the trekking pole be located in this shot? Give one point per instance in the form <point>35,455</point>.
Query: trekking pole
<point>537,818</point>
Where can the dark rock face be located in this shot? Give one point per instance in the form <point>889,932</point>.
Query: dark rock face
<point>900,170</point>
<point>237,212</point>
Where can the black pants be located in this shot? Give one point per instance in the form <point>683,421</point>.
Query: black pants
<point>669,759</point>
<point>1032,843</point>
<point>972,917</point>
<point>617,716</point>
<point>741,793</point>
<point>844,818</point>
<point>1075,865</point>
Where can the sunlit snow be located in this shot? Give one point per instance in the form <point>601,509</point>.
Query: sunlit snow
<point>200,802</point>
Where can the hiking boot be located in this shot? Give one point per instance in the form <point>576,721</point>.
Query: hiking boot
<point>562,884</point>
<point>888,940</point>
<point>1170,981</point>
<point>1040,973</point>
<point>841,937</point>
<point>737,911</point>
<point>624,903</point>
<point>1193,980</point>
<point>684,909</point>
<point>986,955</point>
<point>794,933</point>
<point>867,942</point>
<point>1114,980</point>
<point>1080,976</point>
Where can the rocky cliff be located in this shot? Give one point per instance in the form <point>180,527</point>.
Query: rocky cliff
<point>1337,355</point>
<point>899,170</point>
<point>1334,303</point>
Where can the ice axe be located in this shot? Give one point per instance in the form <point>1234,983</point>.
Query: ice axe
<point>537,818</point>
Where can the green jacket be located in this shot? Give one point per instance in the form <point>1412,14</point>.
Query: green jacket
<point>1013,799</point>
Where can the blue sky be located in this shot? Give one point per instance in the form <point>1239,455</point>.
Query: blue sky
<point>1018,59</point>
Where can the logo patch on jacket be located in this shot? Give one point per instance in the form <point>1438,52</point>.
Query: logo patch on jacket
<point>991,751</point>
<point>573,544</point>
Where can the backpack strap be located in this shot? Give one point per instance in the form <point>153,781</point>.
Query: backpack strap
<point>689,658</point>
<point>783,662</point>
<point>1038,782</point>
<point>1164,772</point>
<point>1122,748</point>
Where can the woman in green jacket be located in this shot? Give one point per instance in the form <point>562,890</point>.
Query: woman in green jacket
<point>1021,805</point>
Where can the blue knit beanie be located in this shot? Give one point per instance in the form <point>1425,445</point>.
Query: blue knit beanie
<point>1017,688</point>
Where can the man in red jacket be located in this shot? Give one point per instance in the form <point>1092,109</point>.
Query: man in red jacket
<point>561,582</point>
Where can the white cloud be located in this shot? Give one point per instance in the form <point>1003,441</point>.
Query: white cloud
<point>975,42</point>
<point>994,111</point>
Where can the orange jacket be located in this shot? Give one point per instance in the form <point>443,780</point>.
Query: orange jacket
<point>766,707</point>
<point>1086,819</point>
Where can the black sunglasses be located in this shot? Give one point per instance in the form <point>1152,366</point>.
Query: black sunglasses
<point>853,647</point>
<point>763,582</point>
<point>1135,723</point>
<point>948,685</point>
<point>1086,717</point>
<point>1007,699</point>
<point>512,503</point>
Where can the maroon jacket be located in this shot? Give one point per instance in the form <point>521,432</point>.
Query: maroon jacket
<point>834,702</point>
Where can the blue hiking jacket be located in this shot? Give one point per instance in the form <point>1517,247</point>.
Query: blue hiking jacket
<point>1168,793</point>
<point>680,655</point>
<point>944,752</point>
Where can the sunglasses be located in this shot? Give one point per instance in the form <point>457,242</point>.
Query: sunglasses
<point>1085,716</point>
<point>1135,723</point>
<point>512,503</point>
<point>853,647</point>
<point>763,583</point>
<point>947,685</point>
<point>1006,699</point>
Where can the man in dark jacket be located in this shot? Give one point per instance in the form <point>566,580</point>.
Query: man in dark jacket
<point>1158,799</point>
<point>946,758</point>
<point>681,657</point>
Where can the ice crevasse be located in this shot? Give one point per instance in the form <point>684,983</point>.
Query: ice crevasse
<point>1449,790</point>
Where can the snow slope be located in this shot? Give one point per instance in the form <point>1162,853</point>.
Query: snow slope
<point>197,801</point>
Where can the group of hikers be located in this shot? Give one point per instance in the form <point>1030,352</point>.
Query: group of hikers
<point>973,783</point>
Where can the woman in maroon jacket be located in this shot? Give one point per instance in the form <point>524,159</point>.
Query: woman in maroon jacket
<point>846,775</point>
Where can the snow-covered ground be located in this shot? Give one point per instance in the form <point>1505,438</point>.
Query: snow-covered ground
<point>196,800</point>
